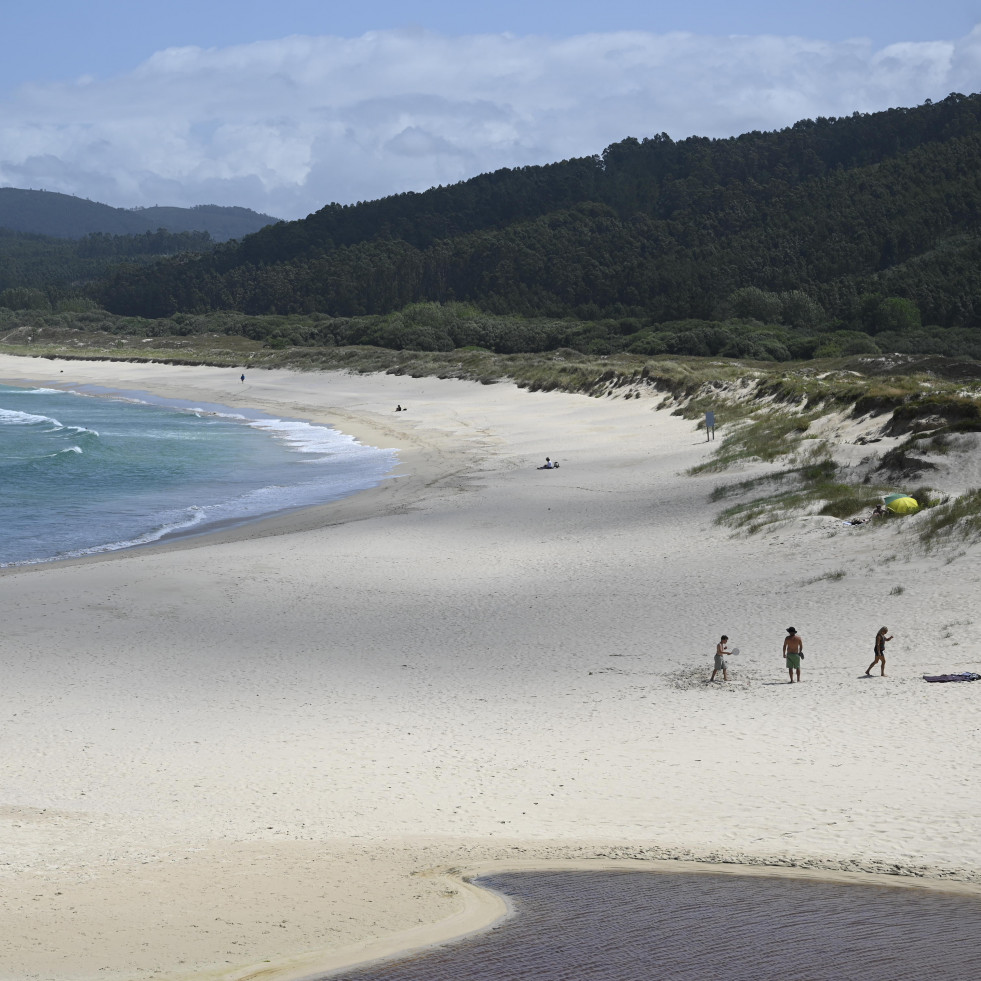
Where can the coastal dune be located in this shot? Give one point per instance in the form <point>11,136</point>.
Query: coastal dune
<point>270,750</point>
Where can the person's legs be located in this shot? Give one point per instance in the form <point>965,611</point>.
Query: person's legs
<point>883,659</point>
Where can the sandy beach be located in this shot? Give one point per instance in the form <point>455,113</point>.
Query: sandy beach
<point>273,750</point>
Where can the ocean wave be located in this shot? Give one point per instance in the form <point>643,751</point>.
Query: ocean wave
<point>14,417</point>
<point>194,516</point>
<point>305,437</point>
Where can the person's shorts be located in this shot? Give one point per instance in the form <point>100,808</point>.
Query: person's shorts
<point>720,662</point>
<point>793,660</point>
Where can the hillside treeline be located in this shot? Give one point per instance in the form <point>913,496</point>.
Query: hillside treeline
<point>866,223</point>
<point>53,267</point>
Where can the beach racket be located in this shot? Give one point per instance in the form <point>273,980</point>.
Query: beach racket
<point>735,650</point>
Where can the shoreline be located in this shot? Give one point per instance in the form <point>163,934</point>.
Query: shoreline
<point>213,528</point>
<point>368,429</point>
<point>297,519</point>
<point>261,739</point>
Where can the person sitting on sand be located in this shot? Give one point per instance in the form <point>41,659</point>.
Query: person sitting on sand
<point>721,659</point>
<point>878,511</point>
<point>880,651</point>
<point>793,651</point>
<point>548,465</point>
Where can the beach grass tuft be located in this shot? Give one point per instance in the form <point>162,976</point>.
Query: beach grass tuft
<point>960,517</point>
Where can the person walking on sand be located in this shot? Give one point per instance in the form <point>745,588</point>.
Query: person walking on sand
<point>793,651</point>
<point>880,651</point>
<point>721,659</point>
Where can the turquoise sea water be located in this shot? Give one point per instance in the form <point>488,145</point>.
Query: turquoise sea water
<point>93,471</point>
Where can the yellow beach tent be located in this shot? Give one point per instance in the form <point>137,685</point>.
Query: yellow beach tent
<point>902,505</point>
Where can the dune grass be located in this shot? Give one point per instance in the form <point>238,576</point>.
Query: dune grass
<point>958,518</point>
<point>767,436</point>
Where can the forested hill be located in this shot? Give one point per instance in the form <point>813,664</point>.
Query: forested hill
<point>65,216</point>
<point>835,210</point>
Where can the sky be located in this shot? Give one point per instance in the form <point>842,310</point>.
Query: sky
<point>286,106</point>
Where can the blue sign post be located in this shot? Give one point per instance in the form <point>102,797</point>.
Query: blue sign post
<point>709,426</point>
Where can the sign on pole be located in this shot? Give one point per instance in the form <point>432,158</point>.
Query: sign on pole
<point>709,426</point>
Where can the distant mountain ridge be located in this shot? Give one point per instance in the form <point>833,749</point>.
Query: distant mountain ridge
<point>65,216</point>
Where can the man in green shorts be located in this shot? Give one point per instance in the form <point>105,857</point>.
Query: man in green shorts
<point>793,651</point>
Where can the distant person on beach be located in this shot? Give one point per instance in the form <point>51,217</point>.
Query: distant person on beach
<point>793,651</point>
<point>880,651</point>
<point>721,659</point>
<point>878,511</point>
<point>398,408</point>
<point>243,379</point>
<point>548,465</point>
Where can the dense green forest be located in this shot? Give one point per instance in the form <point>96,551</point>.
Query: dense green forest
<point>66,216</point>
<point>855,235</point>
<point>38,270</point>
<point>886,203</point>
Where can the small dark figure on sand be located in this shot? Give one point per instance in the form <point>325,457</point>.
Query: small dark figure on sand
<point>721,659</point>
<point>793,651</point>
<point>880,651</point>
<point>243,379</point>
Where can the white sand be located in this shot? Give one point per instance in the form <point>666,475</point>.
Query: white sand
<point>256,754</point>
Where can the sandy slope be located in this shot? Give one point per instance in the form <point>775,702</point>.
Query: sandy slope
<point>235,753</point>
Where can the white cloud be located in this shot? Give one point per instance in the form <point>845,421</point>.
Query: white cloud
<point>287,126</point>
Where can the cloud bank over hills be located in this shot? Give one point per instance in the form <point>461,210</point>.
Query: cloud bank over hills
<point>289,125</point>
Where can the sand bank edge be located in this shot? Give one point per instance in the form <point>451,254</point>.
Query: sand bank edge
<point>484,909</point>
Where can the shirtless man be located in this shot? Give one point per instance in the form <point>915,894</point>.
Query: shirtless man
<point>793,651</point>
<point>721,659</point>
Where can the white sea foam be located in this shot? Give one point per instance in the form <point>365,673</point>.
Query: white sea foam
<point>13,417</point>
<point>304,437</point>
